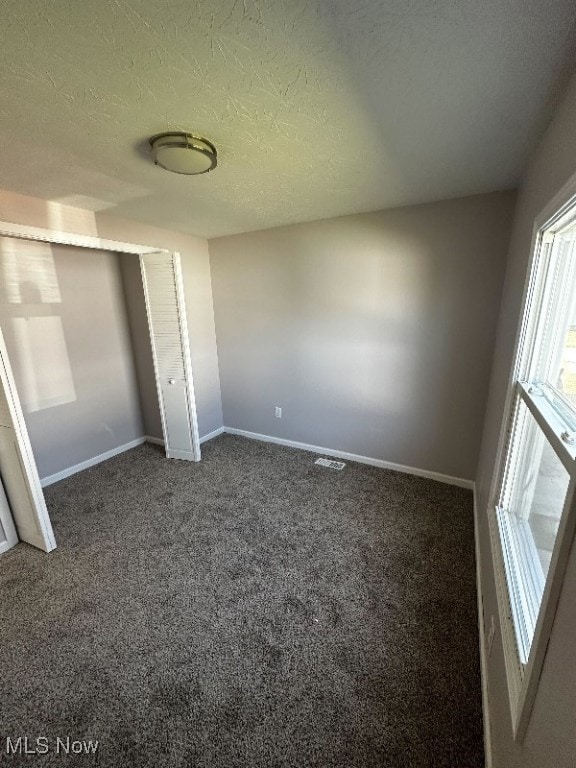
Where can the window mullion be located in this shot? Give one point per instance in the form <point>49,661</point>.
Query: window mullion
<point>551,424</point>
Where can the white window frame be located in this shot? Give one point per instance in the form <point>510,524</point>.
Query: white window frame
<point>523,678</point>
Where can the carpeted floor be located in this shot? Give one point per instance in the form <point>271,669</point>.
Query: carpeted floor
<point>250,611</point>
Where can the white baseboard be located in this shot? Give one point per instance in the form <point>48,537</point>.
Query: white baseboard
<point>459,481</point>
<point>114,452</point>
<point>212,435</point>
<point>204,439</point>
<point>483,653</point>
<point>90,462</point>
<point>154,440</point>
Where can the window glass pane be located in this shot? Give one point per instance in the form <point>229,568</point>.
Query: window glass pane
<point>531,504</point>
<point>550,490</point>
<point>565,370</point>
<point>554,358</point>
<point>552,365</point>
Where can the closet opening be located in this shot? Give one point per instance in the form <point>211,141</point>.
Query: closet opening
<point>94,360</point>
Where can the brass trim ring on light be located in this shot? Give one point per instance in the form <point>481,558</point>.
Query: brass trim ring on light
<point>184,140</point>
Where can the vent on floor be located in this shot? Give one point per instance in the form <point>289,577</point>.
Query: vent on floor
<point>330,464</point>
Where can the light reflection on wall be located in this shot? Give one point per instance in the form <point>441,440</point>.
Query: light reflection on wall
<point>41,367</point>
<point>363,344</point>
<point>65,218</point>
<point>28,273</point>
<point>29,299</point>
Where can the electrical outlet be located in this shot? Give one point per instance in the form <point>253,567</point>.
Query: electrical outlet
<point>491,633</point>
<point>278,412</point>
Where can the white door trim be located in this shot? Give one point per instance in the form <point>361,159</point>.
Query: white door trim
<point>11,537</point>
<point>41,534</point>
<point>25,232</point>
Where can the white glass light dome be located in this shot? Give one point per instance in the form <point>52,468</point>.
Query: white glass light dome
<point>183,153</point>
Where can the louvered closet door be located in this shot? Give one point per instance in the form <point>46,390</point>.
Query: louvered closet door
<point>163,288</point>
<point>20,479</point>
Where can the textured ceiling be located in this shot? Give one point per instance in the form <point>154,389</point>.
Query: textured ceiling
<point>317,107</point>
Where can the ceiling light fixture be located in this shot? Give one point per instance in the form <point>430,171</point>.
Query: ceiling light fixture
<point>183,153</point>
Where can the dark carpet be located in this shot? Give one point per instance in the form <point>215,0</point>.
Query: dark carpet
<point>253,610</point>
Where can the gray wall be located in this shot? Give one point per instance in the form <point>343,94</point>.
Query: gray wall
<point>31,211</point>
<point>63,314</point>
<point>199,309</point>
<point>373,332</point>
<point>551,736</point>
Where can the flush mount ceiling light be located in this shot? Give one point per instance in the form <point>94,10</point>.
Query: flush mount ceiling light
<point>183,153</point>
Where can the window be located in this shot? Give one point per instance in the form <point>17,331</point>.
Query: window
<point>534,493</point>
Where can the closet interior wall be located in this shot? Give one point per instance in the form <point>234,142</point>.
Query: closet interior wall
<point>74,322</point>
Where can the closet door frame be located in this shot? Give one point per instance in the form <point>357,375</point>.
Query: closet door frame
<point>29,512</point>
<point>58,237</point>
